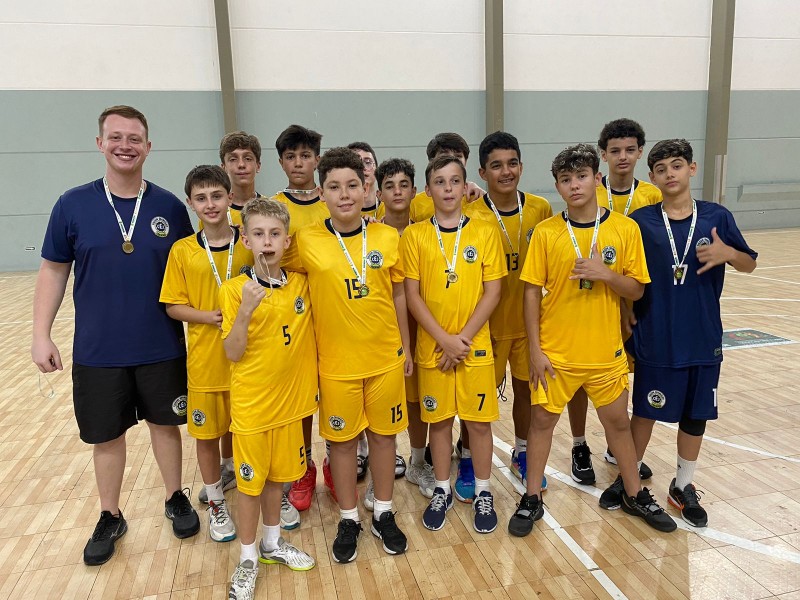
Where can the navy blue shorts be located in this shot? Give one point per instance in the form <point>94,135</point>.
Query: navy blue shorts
<point>669,394</point>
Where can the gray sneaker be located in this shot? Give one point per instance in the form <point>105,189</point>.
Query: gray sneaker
<point>220,524</point>
<point>422,475</point>
<point>286,554</point>
<point>228,483</point>
<point>290,518</point>
<point>243,581</point>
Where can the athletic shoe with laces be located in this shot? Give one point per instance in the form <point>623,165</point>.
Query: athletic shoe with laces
<point>582,470</point>
<point>611,498</point>
<point>243,581</point>
<point>519,467</point>
<point>465,481</point>
<point>529,509</point>
<point>687,500</point>
<point>485,516</point>
<point>434,516</point>
<point>100,547</point>
<point>645,472</point>
<point>302,490</point>
<point>345,545</point>
<point>369,496</point>
<point>290,517</point>
<point>228,483</point>
<point>644,506</point>
<point>327,477</point>
<point>399,466</point>
<point>285,554</point>
<point>220,524</point>
<point>385,528</point>
<point>178,509</point>
<point>362,462</point>
<point>422,475</point>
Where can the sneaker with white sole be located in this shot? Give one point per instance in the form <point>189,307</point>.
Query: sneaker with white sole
<point>687,500</point>
<point>434,516</point>
<point>243,581</point>
<point>286,554</point>
<point>220,524</point>
<point>228,483</point>
<point>399,466</point>
<point>369,496</point>
<point>385,528</point>
<point>485,515</point>
<point>290,516</point>
<point>645,472</point>
<point>345,544</point>
<point>422,475</point>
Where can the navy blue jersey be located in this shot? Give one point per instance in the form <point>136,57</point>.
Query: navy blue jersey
<point>118,319</point>
<point>680,325</point>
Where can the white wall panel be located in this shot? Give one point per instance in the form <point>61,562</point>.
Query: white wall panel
<point>176,13</point>
<point>767,19</point>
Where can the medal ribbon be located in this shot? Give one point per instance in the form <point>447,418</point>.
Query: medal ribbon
<point>503,227</point>
<point>362,278</point>
<point>594,233</point>
<point>211,258</point>
<point>678,263</point>
<point>126,235</point>
<point>450,266</point>
<point>611,199</point>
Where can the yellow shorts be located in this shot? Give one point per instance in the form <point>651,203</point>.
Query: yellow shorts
<point>208,414</point>
<point>412,387</point>
<point>349,406</point>
<point>276,455</point>
<point>603,386</point>
<point>468,392</point>
<point>513,351</point>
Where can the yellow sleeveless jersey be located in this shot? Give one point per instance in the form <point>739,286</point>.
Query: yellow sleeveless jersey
<point>580,328</point>
<point>189,281</point>
<point>357,336</point>
<point>275,381</point>
<point>644,194</point>
<point>507,322</point>
<point>480,258</point>
<point>302,212</point>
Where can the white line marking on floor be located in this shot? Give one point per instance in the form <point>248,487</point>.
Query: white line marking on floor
<point>755,315</point>
<point>761,299</point>
<point>765,278</point>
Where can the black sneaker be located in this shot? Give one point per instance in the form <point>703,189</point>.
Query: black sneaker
<point>687,500</point>
<point>582,470</point>
<point>611,498</point>
<point>645,472</point>
<point>529,509</point>
<point>178,509</point>
<point>100,546</point>
<point>345,545</point>
<point>485,515</point>
<point>646,507</point>
<point>394,540</point>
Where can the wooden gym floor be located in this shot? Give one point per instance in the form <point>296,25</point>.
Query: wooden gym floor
<point>749,470</point>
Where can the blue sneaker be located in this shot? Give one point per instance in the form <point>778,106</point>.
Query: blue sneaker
<point>465,481</point>
<point>485,516</point>
<point>434,516</point>
<point>519,467</point>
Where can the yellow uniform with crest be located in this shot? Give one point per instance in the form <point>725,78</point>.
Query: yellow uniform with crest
<point>302,212</point>
<point>421,208</point>
<point>644,194</point>
<point>189,281</point>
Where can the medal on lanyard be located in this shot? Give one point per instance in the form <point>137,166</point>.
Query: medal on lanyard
<point>127,245</point>
<point>452,276</point>
<point>584,284</point>
<point>271,281</point>
<point>363,290</point>
<point>679,269</point>
<point>211,257</point>
<point>611,199</point>
<point>514,253</point>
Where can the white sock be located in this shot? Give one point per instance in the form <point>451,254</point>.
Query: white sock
<point>638,465</point>
<point>382,506</point>
<point>445,485</point>
<point>520,445</point>
<point>480,486</point>
<point>466,453</point>
<point>685,472</point>
<point>578,440</point>
<point>270,535</point>
<point>214,492</point>
<point>417,456</point>
<point>363,446</point>
<point>227,463</point>
<point>351,514</point>
<point>249,552</point>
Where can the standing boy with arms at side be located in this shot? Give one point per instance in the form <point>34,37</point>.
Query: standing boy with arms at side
<point>454,265</point>
<point>268,335</point>
<point>196,268</point>
<point>677,329</point>
<point>573,331</point>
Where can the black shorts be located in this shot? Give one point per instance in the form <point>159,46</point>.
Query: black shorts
<point>670,394</point>
<point>110,400</point>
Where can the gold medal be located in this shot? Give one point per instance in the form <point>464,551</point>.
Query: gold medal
<point>586,284</point>
<point>363,291</point>
<point>452,277</point>
<point>678,273</point>
<point>127,247</point>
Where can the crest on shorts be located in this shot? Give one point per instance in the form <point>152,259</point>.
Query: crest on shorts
<point>656,399</point>
<point>470,254</point>
<point>375,259</point>
<point>198,417</point>
<point>703,241</point>
<point>609,255</point>
<point>529,235</point>
<point>179,406</point>
<point>246,472</point>
<point>430,403</point>
<point>336,423</point>
<point>160,226</point>
<point>299,305</point>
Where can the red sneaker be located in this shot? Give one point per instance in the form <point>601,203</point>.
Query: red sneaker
<point>302,490</point>
<point>326,475</point>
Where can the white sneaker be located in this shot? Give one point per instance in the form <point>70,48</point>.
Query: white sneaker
<point>290,518</point>
<point>286,554</point>
<point>369,496</point>
<point>243,581</point>
<point>422,475</point>
<point>220,524</point>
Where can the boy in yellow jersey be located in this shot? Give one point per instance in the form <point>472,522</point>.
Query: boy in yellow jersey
<point>266,312</point>
<point>515,214</point>
<point>356,281</point>
<point>574,335</point>
<point>454,266</point>
<point>196,268</point>
<point>372,203</point>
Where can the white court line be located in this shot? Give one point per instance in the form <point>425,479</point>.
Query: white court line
<point>762,345</point>
<point>775,267</point>
<point>754,315</point>
<point>765,278</point>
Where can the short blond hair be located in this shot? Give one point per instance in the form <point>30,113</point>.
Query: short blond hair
<point>266,208</point>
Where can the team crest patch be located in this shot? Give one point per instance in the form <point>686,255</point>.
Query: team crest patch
<point>430,403</point>
<point>609,254</point>
<point>375,259</point>
<point>245,270</point>
<point>703,241</point>
<point>198,417</point>
<point>529,235</point>
<point>336,423</point>
<point>299,305</point>
<point>470,254</point>
<point>179,406</point>
<point>656,399</point>
<point>246,472</point>
<point>160,226</point>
